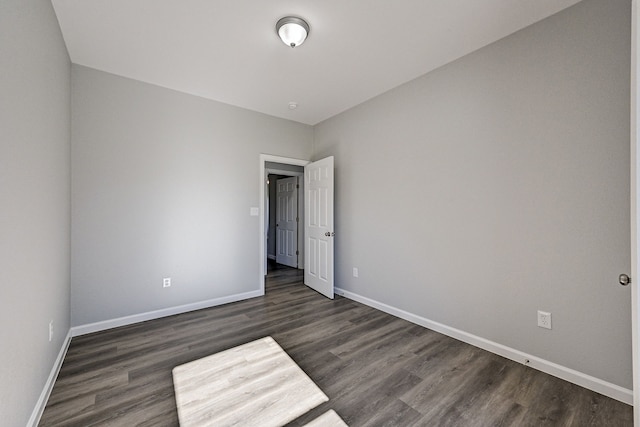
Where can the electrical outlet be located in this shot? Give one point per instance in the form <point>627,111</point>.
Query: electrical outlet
<point>544,319</point>
<point>50,331</point>
<point>166,282</point>
<point>355,271</point>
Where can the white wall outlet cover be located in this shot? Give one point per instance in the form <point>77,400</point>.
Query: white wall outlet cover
<point>166,282</point>
<point>254,211</point>
<point>355,272</point>
<point>544,319</point>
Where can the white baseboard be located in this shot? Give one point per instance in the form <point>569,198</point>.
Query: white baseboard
<point>156,314</point>
<point>595,384</point>
<point>113,323</point>
<point>48,386</point>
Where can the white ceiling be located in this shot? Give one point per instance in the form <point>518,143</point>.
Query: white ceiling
<point>228,50</point>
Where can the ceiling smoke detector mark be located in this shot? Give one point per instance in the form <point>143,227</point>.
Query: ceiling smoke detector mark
<point>293,105</point>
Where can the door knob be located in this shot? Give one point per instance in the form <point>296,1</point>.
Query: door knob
<point>624,279</point>
<point>327,234</point>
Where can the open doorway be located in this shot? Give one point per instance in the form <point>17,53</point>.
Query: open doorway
<point>273,182</point>
<point>284,215</point>
<point>272,170</point>
<point>318,233</point>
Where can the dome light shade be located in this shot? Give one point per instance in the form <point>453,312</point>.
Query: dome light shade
<point>293,31</point>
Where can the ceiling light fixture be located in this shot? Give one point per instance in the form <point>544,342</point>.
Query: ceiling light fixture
<point>293,31</point>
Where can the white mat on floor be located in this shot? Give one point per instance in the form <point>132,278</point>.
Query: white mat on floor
<point>255,384</point>
<point>328,419</point>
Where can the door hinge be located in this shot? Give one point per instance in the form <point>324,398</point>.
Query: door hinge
<point>297,185</point>
<point>297,253</point>
<point>297,219</point>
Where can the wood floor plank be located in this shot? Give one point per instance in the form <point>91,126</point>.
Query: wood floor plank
<point>376,369</point>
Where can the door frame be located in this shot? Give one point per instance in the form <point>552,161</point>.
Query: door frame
<point>635,209</point>
<point>264,158</point>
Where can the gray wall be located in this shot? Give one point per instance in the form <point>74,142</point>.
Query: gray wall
<point>503,189</point>
<point>34,200</point>
<point>162,186</point>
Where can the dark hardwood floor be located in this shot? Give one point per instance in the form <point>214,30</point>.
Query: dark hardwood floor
<point>377,370</point>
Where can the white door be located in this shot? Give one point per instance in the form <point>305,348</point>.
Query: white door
<point>318,205</point>
<point>287,221</point>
